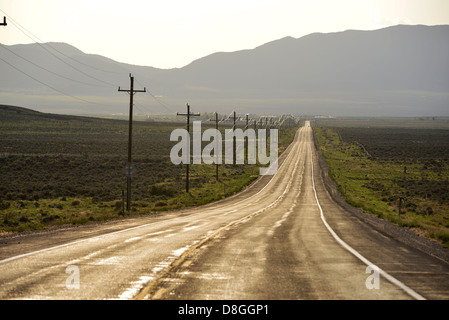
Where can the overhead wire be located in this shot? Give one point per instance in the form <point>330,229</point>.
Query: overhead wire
<point>47,70</point>
<point>80,62</point>
<point>164,105</point>
<point>25,30</point>
<point>160,102</point>
<point>33,37</point>
<point>27,33</point>
<point>49,86</point>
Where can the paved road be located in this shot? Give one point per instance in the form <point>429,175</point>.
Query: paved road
<point>282,238</point>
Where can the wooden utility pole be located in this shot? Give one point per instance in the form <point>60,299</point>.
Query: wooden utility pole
<point>129,167</point>
<point>4,22</point>
<point>234,140</point>
<point>188,115</point>
<point>246,139</point>
<point>216,150</point>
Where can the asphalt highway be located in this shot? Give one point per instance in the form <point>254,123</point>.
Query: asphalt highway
<point>281,238</point>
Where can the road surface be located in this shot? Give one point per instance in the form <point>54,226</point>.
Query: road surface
<point>281,238</point>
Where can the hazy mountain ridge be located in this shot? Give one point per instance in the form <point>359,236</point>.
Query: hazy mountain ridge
<point>401,70</point>
<point>352,58</point>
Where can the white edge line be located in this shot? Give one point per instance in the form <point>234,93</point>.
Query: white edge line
<point>387,276</point>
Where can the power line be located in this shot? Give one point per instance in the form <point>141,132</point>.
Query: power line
<point>76,69</point>
<point>18,26</point>
<point>129,167</point>
<point>45,69</point>
<point>70,79</point>
<point>80,62</point>
<point>44,46</point>
<point>160,102</point>
<point>188,115</point>
<point>138,107</point>
<point>157,99</point>
<point>47,85</point>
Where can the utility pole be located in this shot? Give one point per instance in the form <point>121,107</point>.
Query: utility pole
<point>246,139</point>
<point>216,127</point>
<point>234,144</point>
<point>129,167</point>
<point>267,130</point>
<point>188,115</point>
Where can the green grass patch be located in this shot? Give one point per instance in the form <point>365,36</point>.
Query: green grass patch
<point>375,184</point>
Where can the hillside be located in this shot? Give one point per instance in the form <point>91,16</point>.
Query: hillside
<point>13,114</point>
<point>396,71</point>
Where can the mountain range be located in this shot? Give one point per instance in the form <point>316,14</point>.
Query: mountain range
<point>396,71</point>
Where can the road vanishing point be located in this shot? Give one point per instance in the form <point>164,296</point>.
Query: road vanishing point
<point>283,238</point>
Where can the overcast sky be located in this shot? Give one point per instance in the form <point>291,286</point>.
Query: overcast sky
<point>173,33</point>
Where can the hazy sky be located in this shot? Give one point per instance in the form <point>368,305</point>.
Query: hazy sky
<point>173,33</point>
